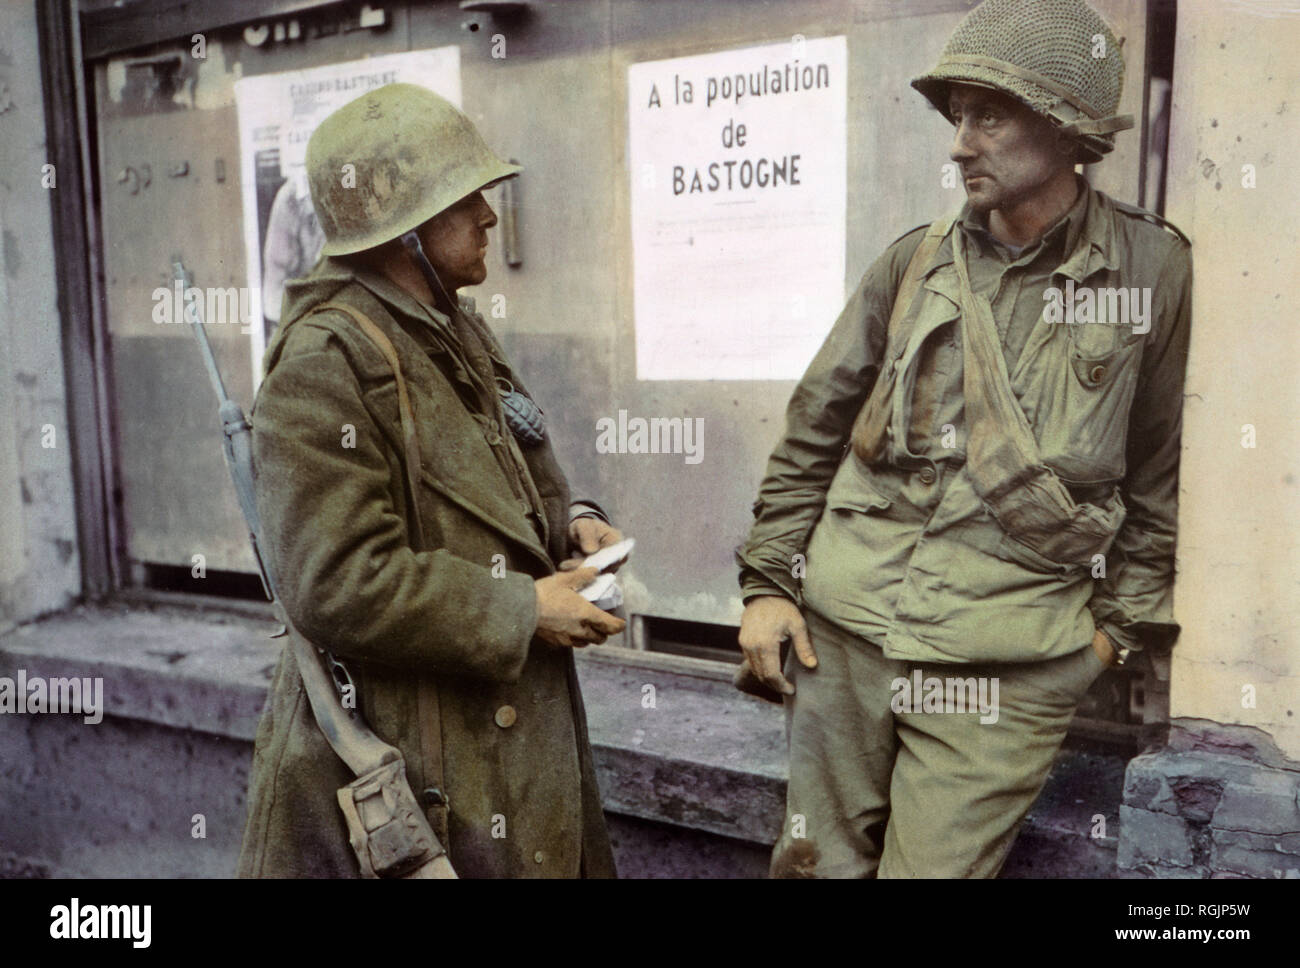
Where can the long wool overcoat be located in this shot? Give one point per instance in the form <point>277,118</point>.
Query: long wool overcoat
<point>519,788</point>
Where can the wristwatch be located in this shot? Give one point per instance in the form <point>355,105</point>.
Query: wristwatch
<point>1122,653</point>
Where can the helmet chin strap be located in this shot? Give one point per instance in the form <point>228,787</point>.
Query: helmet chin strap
<point>524,418</point>
<point>411,241</point>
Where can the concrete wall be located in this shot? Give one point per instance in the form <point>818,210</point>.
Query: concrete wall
<point>39,568</point>
<point>1222,797</point>
<point>1236,98</point>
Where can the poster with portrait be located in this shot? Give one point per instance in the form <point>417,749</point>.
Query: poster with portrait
<point>277,115</point>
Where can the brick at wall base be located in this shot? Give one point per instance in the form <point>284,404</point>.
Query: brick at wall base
<point>1215,802</point>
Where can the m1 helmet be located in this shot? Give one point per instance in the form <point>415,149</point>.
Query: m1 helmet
<point>1058,57</point>
<point>413,154</point>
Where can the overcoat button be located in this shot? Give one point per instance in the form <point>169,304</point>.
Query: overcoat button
<point>1097,373</point>
<point>505,717</point>
<point>433,797</point>
<point>539,857</point>
<point>927,475</point>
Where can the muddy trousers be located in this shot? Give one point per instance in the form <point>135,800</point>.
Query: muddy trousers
<point>885,783</point>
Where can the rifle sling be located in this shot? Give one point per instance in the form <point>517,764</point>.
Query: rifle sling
<point>406,413</point>
<point>430,713</point>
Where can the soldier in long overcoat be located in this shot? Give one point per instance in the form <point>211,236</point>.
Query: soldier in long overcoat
<point>457,633</point>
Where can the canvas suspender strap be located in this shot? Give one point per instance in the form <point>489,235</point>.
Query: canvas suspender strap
<point>429,710</point>
<point>1023,494</point>
<point>868,435</point>
<point>406,413</point>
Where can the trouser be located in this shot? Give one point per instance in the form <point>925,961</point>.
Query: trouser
<point>895,781</point>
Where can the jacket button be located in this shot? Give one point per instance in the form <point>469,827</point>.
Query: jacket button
<point>1097,373</point>
<point>539,857</point>
<point>926,475</point>
<point>505,717</point>
<point>433,797</point>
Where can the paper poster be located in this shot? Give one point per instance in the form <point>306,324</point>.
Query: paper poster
<point>277,114</point>
<point>737,163</point>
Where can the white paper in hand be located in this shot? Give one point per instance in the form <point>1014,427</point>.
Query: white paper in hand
<point>605,592</point>
<point>607,558</point>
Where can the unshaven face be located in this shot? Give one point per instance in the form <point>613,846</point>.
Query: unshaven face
<point>456,241</point>
<point>1007,152</point>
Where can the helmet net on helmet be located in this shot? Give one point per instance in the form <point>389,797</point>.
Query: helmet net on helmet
<point>1059,57</point>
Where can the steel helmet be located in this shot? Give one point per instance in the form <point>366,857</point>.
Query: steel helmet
<point>1058,57</point>
<point>413,155</point>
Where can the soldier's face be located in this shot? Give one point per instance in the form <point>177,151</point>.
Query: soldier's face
<point>1007,152</point>
<point>456,241</point>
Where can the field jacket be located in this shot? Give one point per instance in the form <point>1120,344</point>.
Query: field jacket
<point>902,550</point>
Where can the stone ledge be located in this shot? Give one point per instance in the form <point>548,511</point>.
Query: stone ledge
<point>703,756</point>
<point>1216,801</point>
<point>173,667</point>
<point>701,759</point>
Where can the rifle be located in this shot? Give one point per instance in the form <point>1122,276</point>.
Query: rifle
<point>386,828</point>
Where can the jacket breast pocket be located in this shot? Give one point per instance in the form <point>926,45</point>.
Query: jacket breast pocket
<point>1084,431</point>
<point>858,503</point>
<point>854,489</point>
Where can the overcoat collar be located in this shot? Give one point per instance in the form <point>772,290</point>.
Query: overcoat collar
<point>491,502</point>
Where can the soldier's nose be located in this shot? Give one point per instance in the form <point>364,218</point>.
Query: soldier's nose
<point>961,149</point>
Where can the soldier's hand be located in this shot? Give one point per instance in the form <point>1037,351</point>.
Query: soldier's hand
<point>1105,650</point>
<point>768,621</point>
<point>589,535</point>
<point>566,618</point>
